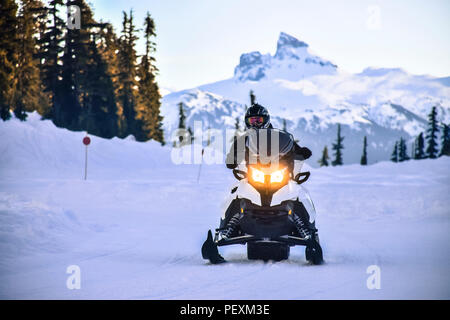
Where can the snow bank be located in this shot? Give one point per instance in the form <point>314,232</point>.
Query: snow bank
<point>37,149</point>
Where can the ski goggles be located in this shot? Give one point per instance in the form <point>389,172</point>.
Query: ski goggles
<point>259,120</point>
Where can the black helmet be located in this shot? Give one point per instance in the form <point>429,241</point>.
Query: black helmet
<point>257,117</point>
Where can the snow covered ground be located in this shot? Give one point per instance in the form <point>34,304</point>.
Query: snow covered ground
<point>135,227</point>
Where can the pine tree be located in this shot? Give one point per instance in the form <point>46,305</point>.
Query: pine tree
<point>99,113</point>
<point>237,129</point>
<point>85,96</point>
<point>406,157</point>
<point>432,130</point>
<point>190,135</point>
<point>284,125</point>
<point>401,145</point>
<point>127,92</point>
<point>108,48</point>
<point>208,141</point>
<point>9,47</point>
<point>237,126</point>
<point>148,111</point>
<point>364,155</point>
<point>78,71</point>
<point>252,98</point>
<point>41,16</point>
<point>402,151</point>
<point>181,116</point>
<point>324,160</point>
<point>6,78</point>
<point>419,145</point>
<point>337,147</point>
<point>445,145</point>
<point>49,54</point>
<point>27,87</point>
<point>394,155</point>
<point>181,125</point>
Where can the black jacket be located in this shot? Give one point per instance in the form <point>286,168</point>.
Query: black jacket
<point>235,156</point>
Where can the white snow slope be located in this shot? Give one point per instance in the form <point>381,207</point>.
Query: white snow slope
<point>135,227</point>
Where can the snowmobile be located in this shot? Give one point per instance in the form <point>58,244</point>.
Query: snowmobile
<point>268,209</point>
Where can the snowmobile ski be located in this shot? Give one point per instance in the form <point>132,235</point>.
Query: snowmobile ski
<point>210,251</point>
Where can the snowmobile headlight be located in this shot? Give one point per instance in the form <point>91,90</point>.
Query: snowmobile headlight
<point>277,176</point>
<point>265,176</point>
<point>257,175</point>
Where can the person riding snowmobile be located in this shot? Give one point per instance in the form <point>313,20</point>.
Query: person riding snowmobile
<point>267,210</point>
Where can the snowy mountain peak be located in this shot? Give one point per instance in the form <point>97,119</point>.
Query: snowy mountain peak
<point>287,40</point>
<point>292,61</point>
<point>285,45</point>
<point>252,66</point>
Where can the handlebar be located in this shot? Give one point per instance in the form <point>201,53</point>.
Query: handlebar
<point>239,174</point>
<point>301,174</point>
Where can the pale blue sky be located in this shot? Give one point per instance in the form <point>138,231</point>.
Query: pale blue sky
<point>200,41</point>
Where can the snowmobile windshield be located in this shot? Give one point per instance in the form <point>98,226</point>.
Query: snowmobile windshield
<point>268,145</point>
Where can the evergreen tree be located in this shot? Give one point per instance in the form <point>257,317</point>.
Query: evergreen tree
<point>401,146</point>
<point>127,93</point>
<point>41,17</point>
<point>6,78</point>
<point>324,160</point>
<point>181,116</point>
<point>394,155</point>
<point>108,48</point>
<point>252,98</point>
<point>190,135</point>
<point>432,130</point>
<point>406,157</point>
<point>445,145</point>
<point>364,155</point>
<point>208,141</point>
<point>27,87</point>
<point>182,137</point>
<point>82,79</point>
<point>237,129</point>
<point>284,125</point>
<point>148,111</point>
<point>50,48</point>
<point>237,126</point>
<point>99,113</point>
<point>78,72</point>
<point>85,95</point>
<point>402,151</point>
<point>9,47</point>
<point>337,147</point>
<point>419,145</point>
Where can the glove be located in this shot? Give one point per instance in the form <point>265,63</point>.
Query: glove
<point>231,165</point>
<point>306,153</point>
